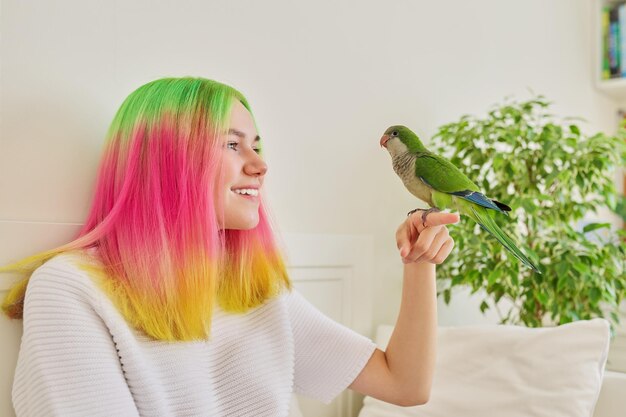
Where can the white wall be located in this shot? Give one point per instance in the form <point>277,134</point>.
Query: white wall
<point>325,79</point>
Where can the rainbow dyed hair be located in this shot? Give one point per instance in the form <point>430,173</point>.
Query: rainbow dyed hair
<point>161,256</point>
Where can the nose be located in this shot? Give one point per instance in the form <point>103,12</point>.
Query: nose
<point>255,165</point>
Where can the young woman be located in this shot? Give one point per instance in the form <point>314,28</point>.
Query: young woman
<point>173,299</point>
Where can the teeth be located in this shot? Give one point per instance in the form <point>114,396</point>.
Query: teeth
<point>248,191</point>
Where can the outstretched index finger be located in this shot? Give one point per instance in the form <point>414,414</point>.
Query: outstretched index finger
<point>435,218</point>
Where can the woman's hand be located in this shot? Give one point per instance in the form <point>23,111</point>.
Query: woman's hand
<point>418,243</point>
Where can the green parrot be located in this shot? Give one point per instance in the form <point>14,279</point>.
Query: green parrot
<point>441,185</point>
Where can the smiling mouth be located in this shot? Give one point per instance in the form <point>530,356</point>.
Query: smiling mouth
<point>251,197</point>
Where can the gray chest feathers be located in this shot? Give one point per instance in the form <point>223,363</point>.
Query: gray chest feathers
<point>404,166</point>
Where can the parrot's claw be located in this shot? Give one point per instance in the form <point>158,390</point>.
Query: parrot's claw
<point>430,210</point>
<point>426,212</point>
<point>412,211</point>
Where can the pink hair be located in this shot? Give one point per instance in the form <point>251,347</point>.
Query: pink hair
<point>159,253</point>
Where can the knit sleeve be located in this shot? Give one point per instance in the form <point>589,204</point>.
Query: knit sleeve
<point>67,363</point>
<point>328,355</point>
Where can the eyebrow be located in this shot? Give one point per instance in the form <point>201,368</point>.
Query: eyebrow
<point>242,135</point>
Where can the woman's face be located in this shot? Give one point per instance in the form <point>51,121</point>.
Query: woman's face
<point>244,170</point>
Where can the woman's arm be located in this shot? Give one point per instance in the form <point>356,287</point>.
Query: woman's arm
<point>403,374</point>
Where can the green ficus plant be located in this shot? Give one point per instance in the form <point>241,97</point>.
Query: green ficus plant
<point>551,175</point>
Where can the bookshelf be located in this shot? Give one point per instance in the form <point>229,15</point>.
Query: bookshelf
<point>614,87</point>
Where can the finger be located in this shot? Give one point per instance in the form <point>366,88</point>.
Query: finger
<point>402,239</point>
<point>435,246</point>
<point>445,250</point>
<point>423,243</point>
<point>435,219</point>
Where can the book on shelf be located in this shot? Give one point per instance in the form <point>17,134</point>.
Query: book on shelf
<point>621,31</point>
<point>613,24</point>
<point>606,67</point>
<point>614,43</point>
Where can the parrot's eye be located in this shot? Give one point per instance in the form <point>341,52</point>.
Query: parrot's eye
<point>394,133</point>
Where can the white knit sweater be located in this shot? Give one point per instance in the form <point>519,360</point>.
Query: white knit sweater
<point>78,357</point>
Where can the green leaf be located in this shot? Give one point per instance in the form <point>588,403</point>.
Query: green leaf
<point>571,142</point>
<point>581,267</point>
<point>579,180</point>
<point>528,205</point>
<point>550,178</point>
<point>595,294</point>
<point>615,317</point>
<point>561,269</point>
<point>542,297</point>
<point>543,197</point>
<point>593,226</point>
<point>498,160</point>
<point>484,306</point>
<point>473,276</point>
<point>509,169</point>
<point>563,282</point>
<point>493,276</point>
<point>457,279</point>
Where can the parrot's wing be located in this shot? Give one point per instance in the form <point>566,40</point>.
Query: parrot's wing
<point>442,175</point>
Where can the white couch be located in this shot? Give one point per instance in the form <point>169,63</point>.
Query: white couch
<point>612,401</point>
<point>507,371</point>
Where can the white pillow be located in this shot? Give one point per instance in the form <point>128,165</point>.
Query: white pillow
<point>510,371</point>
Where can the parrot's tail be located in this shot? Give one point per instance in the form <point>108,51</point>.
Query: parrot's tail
<point>484,220</point>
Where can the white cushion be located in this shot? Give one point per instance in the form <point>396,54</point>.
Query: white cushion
<point>510,371</point>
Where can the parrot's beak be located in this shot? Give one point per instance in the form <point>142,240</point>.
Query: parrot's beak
<point>383,141</point>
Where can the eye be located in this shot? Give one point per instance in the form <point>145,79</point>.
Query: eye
<point>233,145</point>
<point>394,133</point>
